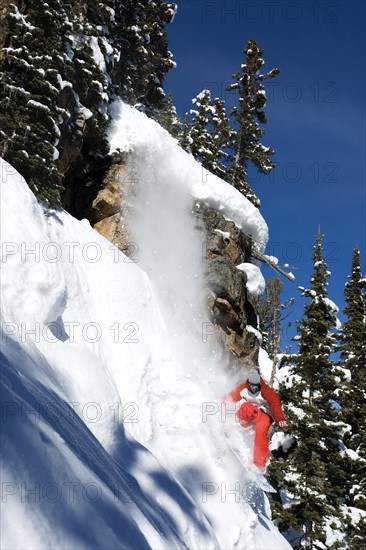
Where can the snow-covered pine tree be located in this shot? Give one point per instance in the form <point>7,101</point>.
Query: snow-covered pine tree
<point>312,478</point>
<point>53,86</point>
<point>210,135</point>
<point>63,62</point>
<point>223,137</point>
<point>272,315</point>
<point>184,137</point>
<point>141,51</point>
<point>352,346</point>
<point>30,86</point>
<point>353,397</point>
<point>249,116</point>
<point>356,533</point>
<point>202,143</point>
<point>89,74</point>
<point>168,117</point>
<point>160,14</point>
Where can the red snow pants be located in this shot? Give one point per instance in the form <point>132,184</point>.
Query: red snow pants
<point>248,415</point>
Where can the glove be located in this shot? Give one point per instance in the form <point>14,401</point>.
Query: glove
<point>282,423</point>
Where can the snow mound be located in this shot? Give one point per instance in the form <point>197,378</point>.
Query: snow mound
<point>254,280</point>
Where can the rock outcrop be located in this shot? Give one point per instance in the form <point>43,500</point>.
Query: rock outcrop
<point>109,209</point>
<point>228,301</point>
<point>225,247</point>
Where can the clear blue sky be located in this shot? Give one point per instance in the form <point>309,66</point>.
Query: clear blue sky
<point>316,118</point>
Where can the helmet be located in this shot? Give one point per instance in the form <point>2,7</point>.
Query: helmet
<point>254,377</point>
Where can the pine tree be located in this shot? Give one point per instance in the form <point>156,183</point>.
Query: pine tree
<point>353,344</point>
<point>185,140</point>
<point>223,137</point>
<point>353,396</point>
<point>356,533</point>
<point>141,51</point>
<point>29,116</point>
<point>89,72</point>
<point>63,64</point>
<point>168,117</point>
<point>201,137</point>
<point>313,472</point>
<point>48,66</point>
<point>249,116</point>
<point>210,135</point>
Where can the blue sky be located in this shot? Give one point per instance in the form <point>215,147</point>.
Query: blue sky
<point>315,111</point>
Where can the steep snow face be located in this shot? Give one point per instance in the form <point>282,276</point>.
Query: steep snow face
<point>29,260</point>
<point>66,459</point>
<point>107,366</point>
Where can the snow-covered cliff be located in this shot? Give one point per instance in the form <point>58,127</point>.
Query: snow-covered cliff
<point>112,430</point>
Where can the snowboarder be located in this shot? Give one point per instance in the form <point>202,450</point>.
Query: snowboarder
<point>260,407</point>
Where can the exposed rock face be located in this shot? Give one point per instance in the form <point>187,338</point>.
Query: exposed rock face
<point>229,306</point>
<point>109,200</point>
<point>225,247</point>
<point>109,208</point>
<point>113,229</point>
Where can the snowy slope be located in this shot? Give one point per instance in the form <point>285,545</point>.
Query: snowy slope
<point>111,430</point>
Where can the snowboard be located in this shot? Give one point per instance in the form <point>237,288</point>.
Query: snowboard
<point>254,475</point>
<point>254,487</point>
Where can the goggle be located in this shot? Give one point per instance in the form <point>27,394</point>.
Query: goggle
<point>255,386</point>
